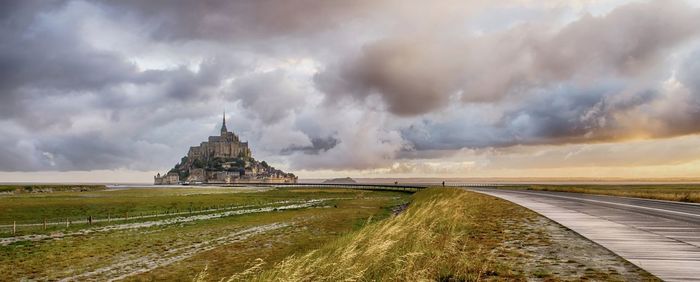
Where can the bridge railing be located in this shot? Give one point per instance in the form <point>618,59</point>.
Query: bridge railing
<point>360,186</point>
<point>379,186</point>
<point>476,185</point>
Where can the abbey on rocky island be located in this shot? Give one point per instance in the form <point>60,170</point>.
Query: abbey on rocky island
<point>223,159</point>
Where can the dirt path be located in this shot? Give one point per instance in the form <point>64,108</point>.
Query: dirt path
<point>175,220</point>
<point>149,262</point>
<point>550,251</point>
<point>158,215</point>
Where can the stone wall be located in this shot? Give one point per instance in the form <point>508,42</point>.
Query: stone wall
<point>168,179</point>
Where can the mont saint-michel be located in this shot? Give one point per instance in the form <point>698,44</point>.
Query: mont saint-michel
<point>223,159</point>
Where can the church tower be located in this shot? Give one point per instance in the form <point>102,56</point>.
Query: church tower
<point>223,126</point>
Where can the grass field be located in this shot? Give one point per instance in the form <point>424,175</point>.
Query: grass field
<point>44,188</point>
<point>244,234</point>
<point>669,192</point>
<point>177,247</point>
<point>56,207</point>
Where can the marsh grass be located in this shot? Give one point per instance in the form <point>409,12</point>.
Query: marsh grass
<point>48,188</point>
<point>445,234</point>
<point>312,227</point>
<point>78,206</point>
<point>668,192</point>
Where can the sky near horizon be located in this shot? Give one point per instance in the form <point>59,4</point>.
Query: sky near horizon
<point>116,91</point>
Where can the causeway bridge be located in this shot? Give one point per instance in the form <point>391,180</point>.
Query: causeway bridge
<point>407,187</point>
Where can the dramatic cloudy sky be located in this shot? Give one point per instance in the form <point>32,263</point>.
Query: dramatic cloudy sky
<point>117,90</point>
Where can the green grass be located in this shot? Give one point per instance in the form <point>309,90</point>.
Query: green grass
<point>271,248</point>
<point>54,259</point>
<point>669,192</point>
<point>48,188</point>
<point>59,206</point>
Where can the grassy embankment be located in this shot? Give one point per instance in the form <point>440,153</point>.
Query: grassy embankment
<point>444,235</point>
<point>193,244</point>
<point>668,192</point>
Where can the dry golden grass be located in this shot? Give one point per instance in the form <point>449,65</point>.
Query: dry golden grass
<point>445,234</point>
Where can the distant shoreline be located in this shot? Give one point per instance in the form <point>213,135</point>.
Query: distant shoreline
<point>430,180</point>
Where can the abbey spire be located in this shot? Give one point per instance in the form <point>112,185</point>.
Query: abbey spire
<point>223,125</point>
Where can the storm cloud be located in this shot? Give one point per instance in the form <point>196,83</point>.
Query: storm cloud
<point>238,20</point>
<point>418,73</point>
<point>352,86</point>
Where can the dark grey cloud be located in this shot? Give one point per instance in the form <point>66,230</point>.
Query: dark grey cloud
<point>395,80</point>
<point>45,52</point>
<point>678,112</point>
<point>420,73</point>
<point>77,152</point>
<point>19,12</point>
<point>237,20</point>
<point>570,114</point>
<point>54,62</point>
<point>87,151</point>
<point>55,87</point>
<point>16,155</point>
<point>364,145</point>
<point>409,77</point>
<point>38,53</point>
<point>40,60</point>
<point>269,96</point>
<point>318,145</point>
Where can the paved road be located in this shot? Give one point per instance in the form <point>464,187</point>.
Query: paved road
<point>659,236</point>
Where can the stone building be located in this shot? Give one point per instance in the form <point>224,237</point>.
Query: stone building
<point>167,179</point>
<point>226,145</point>
<point>223,159</point>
